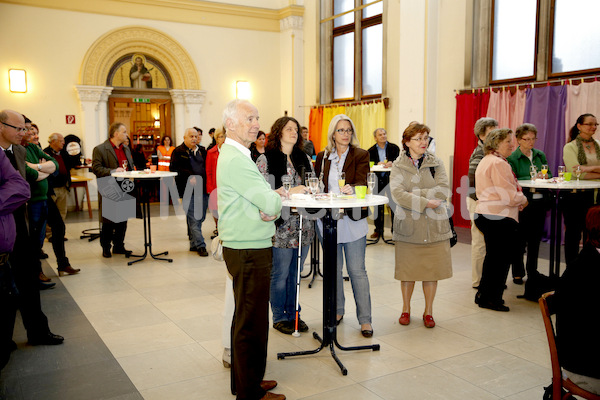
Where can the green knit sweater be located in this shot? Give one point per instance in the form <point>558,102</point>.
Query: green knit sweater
<point>39,189</point>
<point>242,193</point>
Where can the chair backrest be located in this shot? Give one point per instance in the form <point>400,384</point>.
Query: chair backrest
<point>558,383</point>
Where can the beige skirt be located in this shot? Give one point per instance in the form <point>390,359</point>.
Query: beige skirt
<point>423,262</point>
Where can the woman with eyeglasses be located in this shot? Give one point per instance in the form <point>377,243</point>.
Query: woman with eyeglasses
<point>532,218</point>
<point>420,188</point>
<point>343,155</point>
<point>583,153</point>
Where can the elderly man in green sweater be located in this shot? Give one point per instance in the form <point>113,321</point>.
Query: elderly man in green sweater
<point>247,210</point>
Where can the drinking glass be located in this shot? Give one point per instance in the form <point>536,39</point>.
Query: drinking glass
<point>371,180</point>
<point>342,180</point>
<point>533,172</point>
<point>82,159</point>
<point>124,165</point>
<point>578,172</point>
<point>545,171</point>
<point>313,184</point>
<point>307,176</point>
<point>561,173</point>
<point>287,184</point>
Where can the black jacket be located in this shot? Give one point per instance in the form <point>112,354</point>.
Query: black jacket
<point>182,164</point>
<point>277,164</point>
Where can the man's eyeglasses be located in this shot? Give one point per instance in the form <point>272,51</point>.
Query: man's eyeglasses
<point>344,131</point>
<point>18,129</point>
<point>423,139</point>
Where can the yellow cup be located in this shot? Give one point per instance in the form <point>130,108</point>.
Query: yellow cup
<point>361,191</point>
<point>567,176</point>
<point>371,164</point>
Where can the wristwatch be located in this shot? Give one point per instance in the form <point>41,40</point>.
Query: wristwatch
<point>39,167</point>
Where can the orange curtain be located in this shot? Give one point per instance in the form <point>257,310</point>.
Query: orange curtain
<point>315,123</point>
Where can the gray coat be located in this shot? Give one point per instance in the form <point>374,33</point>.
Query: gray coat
<point>411,189</point>
<point>104,159</point>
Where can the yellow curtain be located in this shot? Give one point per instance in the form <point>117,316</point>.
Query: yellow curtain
<point>367,118</point>
<point>328,114</point>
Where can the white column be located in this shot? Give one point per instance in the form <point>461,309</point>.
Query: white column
<point>94,115</point>
<point>292,64</point>
<point>188,108</point>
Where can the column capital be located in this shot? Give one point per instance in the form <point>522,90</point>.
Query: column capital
<point>93,94</point>
<point>291,22</point>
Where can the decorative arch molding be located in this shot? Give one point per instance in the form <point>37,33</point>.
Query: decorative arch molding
<point>105,51</point>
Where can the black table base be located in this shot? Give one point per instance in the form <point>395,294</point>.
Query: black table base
<point>329,338</point>
<point>144,195</point>
<point>315,259</point>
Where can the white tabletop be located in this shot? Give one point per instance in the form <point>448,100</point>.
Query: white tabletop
<point>343,202</point>
<point>380,168</point>
<point>552,184</point>
<point>143,175</point>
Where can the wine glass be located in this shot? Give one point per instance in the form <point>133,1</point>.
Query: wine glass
<point>341,180</point>
<point>82,159</point>
<point>561,173</point>
<point>307,176</point>
<point>313,184</point>
<point>371,180</point>
<point>287,184</point>
<point>533,172</point>
<point>544,171</point>
<point>578,172</point>
<point>124,165</point>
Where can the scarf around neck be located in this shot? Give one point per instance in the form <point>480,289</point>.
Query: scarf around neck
<point>581,157</point>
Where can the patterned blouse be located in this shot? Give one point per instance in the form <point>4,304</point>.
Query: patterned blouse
<point>287,232</point>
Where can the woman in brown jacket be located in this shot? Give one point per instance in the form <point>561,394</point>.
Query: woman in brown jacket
<point>342,154</point>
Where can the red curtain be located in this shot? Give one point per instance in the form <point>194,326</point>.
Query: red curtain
<point>469,108</point>
<point>315,122</point>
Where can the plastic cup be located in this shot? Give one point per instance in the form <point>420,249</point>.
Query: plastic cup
<point>567,176</point>
<point>361,191</point>
<point>153,168</point>
<point>371,164</point>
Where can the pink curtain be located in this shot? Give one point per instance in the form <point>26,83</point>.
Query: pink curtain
<point>582,99</point>
<point>507,108</point>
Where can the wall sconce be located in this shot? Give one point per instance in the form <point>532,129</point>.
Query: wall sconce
<point>17,80</point>
<point>242,90</point>
<point>157,123</point>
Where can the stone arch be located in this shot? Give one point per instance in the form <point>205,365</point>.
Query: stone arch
<point>105,51</point>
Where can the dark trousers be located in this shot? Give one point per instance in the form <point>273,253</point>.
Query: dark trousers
<point>574,207</point>
<point>251,272</point>
<point>379,221</point>
<point>56,223</point>
<point>113,233</point>
<point>500,235</point>
<point>531,229</point>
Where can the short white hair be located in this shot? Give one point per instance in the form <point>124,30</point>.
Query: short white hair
<point>191,131</point>
<point>53,137</point>
<point>232,110</point>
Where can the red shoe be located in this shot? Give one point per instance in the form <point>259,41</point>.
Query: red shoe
<point>428,321</point>
<point>404,318</point>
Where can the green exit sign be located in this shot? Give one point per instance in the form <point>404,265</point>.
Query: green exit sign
<point>141,100</point>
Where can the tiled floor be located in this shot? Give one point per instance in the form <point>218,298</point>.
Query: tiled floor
<point>161,322</point>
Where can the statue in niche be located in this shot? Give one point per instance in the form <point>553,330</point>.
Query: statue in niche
<point>139,75</point>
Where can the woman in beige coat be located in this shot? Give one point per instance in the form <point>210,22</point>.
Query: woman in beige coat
<point>419,186</point>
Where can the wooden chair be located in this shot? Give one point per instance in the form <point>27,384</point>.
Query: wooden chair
<point>558,383</point>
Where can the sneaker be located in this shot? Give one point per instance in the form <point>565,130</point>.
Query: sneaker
<point>286,327</point>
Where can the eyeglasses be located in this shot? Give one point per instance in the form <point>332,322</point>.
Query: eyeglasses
<point>590,124</point>
<point>18,129</point>
<point>529,139</point>
<point>344,131</point>
<point>423,139</point>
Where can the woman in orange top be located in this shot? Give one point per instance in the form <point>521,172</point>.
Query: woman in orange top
<point>164,152</point>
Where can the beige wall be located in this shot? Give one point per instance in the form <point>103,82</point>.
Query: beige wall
<point>51,45</point>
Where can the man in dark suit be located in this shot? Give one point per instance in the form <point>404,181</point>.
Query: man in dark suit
<point>382,153</point>
<point>107,158</point>
<point>24,264</point>
<point>189,161</point>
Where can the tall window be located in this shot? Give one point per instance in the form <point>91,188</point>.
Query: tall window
<point>357,50</point>
<point>524,47</point>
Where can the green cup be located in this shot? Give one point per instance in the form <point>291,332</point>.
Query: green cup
<point>567,176</point>
<point>371,164</point>
<point>361,191</point>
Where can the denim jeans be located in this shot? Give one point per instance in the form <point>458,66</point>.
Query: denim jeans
<point>283,283</point>
<point>195,225</point>
<point>38,216</point>
<point>355,264</point>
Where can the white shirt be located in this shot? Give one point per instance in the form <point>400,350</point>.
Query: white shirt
<point>245,151</point>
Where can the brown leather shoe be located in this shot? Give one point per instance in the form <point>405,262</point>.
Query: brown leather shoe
<point>375,235</point>
<point>44,278</point>
<point>273,396</point>
<point>68,270</point>
<point>268,385</point>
